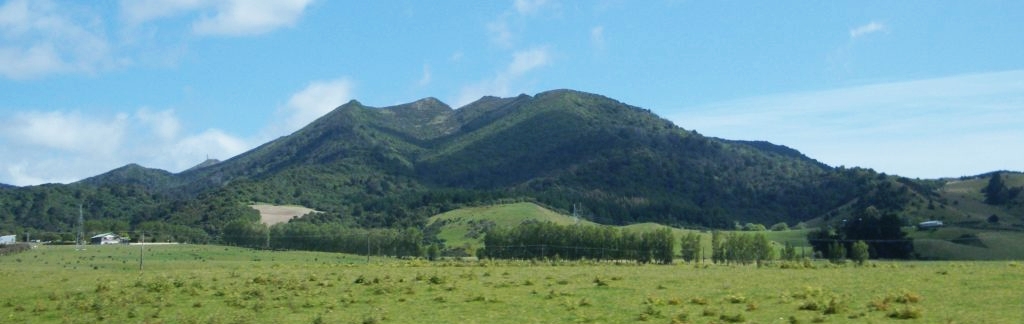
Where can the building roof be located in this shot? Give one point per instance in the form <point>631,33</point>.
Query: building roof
<point>104,234</point>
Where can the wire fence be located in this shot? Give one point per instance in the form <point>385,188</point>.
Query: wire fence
<point>803,248</point>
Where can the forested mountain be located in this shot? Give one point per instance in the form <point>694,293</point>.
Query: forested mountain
<point>396,166</point>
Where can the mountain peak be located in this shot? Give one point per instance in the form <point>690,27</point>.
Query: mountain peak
<point>131,174</point>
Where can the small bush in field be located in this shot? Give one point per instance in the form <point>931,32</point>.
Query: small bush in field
<point>699,301</point>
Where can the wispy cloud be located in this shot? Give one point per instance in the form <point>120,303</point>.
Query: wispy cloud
<point>527,7</point>
<point>867,29</point>
<point>522,63</point>
<point>40,38</point>
<point>426,77</point>
<point>499,33</point>
<point>952,126</point>
<point>315,100</point>
<point>597,37</point>
<point>220,17</point>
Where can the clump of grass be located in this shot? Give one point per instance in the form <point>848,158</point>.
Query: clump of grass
<point>807,292</point>
<point>736,318</point>
<point>810,305</point>
<point>709,312</point>
<point>907,297</point>
<point>834,306</point>
<point>599,282</point>
<point>649,312</point>
<point>699,301</point>
<point>908,312</point>
<point>751,306</point>
<point>654,301</point>
<point>436,280</point>
<point>681,318</point>
<point>735,299</point>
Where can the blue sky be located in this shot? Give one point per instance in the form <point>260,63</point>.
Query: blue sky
<point>904,87</point>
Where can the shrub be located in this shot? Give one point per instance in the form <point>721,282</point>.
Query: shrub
<point>780,226</point>
<point>859,252</point>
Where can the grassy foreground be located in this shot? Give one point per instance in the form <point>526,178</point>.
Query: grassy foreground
<point>216,284</point>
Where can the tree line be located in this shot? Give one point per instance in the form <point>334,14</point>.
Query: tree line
<point>329,237</point>
<point>546,240</point>
<point>882,234</point>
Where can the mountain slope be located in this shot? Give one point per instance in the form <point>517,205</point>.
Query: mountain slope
<point>560,147</point>
<point>398,165</point>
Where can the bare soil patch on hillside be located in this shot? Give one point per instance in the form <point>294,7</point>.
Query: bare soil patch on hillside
<point>273,214</point>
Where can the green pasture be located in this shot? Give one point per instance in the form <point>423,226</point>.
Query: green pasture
<point>457,223</point>
<point>216,284</point>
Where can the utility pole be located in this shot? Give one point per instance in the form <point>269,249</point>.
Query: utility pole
<point>142,247</point>
<point>81,230</point>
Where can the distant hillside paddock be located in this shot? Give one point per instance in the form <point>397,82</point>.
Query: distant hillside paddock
<point>273,214</point>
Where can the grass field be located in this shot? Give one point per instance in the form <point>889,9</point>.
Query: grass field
<point>216,284</point>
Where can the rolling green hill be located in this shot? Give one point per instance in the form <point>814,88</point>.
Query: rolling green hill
<point>466,225</point>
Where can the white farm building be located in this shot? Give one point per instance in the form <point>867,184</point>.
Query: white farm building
<point>105,238</point>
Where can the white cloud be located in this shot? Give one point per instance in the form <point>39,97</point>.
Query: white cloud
<point>164,124</point>
<point>522,63</point>
<point>597,37</point>
<point>867,29</point>
<point>71,132</point>
<point>140,11</point>
<point>213,143</point>
<point>316,100</point>
<point>221,17</point>
<point>57,146</point>
<point>38,38</point>
<point>527,7</point>
<point>953,126</point>
<point>525,61</point>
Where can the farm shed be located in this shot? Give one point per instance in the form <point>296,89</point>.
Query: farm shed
<point>929,224</point>
<point>105,238</point>
<point>8,239</point>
